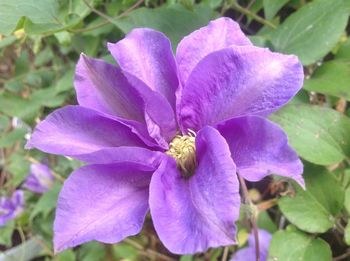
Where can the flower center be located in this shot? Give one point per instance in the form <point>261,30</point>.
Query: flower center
<point>183,150</point>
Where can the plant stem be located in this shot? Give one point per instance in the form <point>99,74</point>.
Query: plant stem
<point>248,7</point>
<point>343,256</point>
<point>225,254</point>
<point>252,217</point>
<point>109,20</point>
<point>147,252</point>
<point>248,12</point>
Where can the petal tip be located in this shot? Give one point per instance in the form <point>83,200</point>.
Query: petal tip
<point>29,145</point>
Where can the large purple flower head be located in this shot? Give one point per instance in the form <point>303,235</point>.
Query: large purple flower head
<point>40,178</point>
<point>249,253</point>
<point>11,207</point>
<point>168,134</point>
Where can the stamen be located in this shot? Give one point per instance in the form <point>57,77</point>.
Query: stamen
<point>183,150</point>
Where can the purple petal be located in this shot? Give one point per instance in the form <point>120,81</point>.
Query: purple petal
<point>158,114</point>
<point>248,253</point>
<point>10,208</point>
<point>191,215</point>
<point>218,34</point>
<point>264,241</point>
<point>101,202</point>
<point>105,88</point>
<point>260,148</point>
<point>40,178</point>
<point>147,54</point>
<point>238,81</point>
<point>134,155</point>
<point>75,130</point>
<point>102,86</point>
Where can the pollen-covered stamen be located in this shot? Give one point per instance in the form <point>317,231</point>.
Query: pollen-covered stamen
<point>183,150</point>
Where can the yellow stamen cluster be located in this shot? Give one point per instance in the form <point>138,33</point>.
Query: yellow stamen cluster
<point>183,150</point>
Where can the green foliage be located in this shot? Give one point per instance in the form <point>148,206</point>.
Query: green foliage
<point>175,21</point>
<point>315,209</point>
<point>294,245</point>
<point>319,134</point>
<point>332,78</point>
<point>312,31</point>
<point>271,7</point>
<point>40,17</point>
<point>40,43</point>
<point>46,203</point>
<point>6,233</point>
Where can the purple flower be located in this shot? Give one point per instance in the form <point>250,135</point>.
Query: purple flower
<point>248,253</point>
<point>168,134</point>
<point>11,207</point>
<point>40,178</point>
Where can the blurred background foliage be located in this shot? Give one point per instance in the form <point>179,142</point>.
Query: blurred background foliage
<point>40,42</point>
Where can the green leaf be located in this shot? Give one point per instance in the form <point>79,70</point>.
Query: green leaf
<point>92,251</point>
<point>47,202</point>
<point>265,222</point>
<point>67,255</point>
<point>347,234</point>
<point>16,106</point>
<point>344,51</point>
<point>6,233</point>
<point>44,57</point>
<point>175,21</point>
<point>319,135</point>
<point>314,209</point>
<point>65,83</point>
<point>86,44</point>
<point>312,31</point>
<point>186,258</point>
<point>347,198</point>
<point>12,137</point>
<point>18,167</point>
<point>27,250</point>
<point>40,16</point>
<point>4,123</point>
<point>271,7</point>
<point>7,41</point>
<point>11,12</point>
<point>125,251</point>
<point>291,246</point>
<point>332,78</point>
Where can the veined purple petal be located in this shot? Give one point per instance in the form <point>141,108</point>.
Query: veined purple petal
<point>218,34</point>
<point>191,215</point>
<point>101,202</point>
<point>40,178</point>
<point>260,148</point>
<point>147,54</point>
<point>103,87</point>
<point>248,253</point>
<point>238,81</point>
<point>75,130</point>
<point>141,157</point>
<point>11,207</point>
<point>158,113</point>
